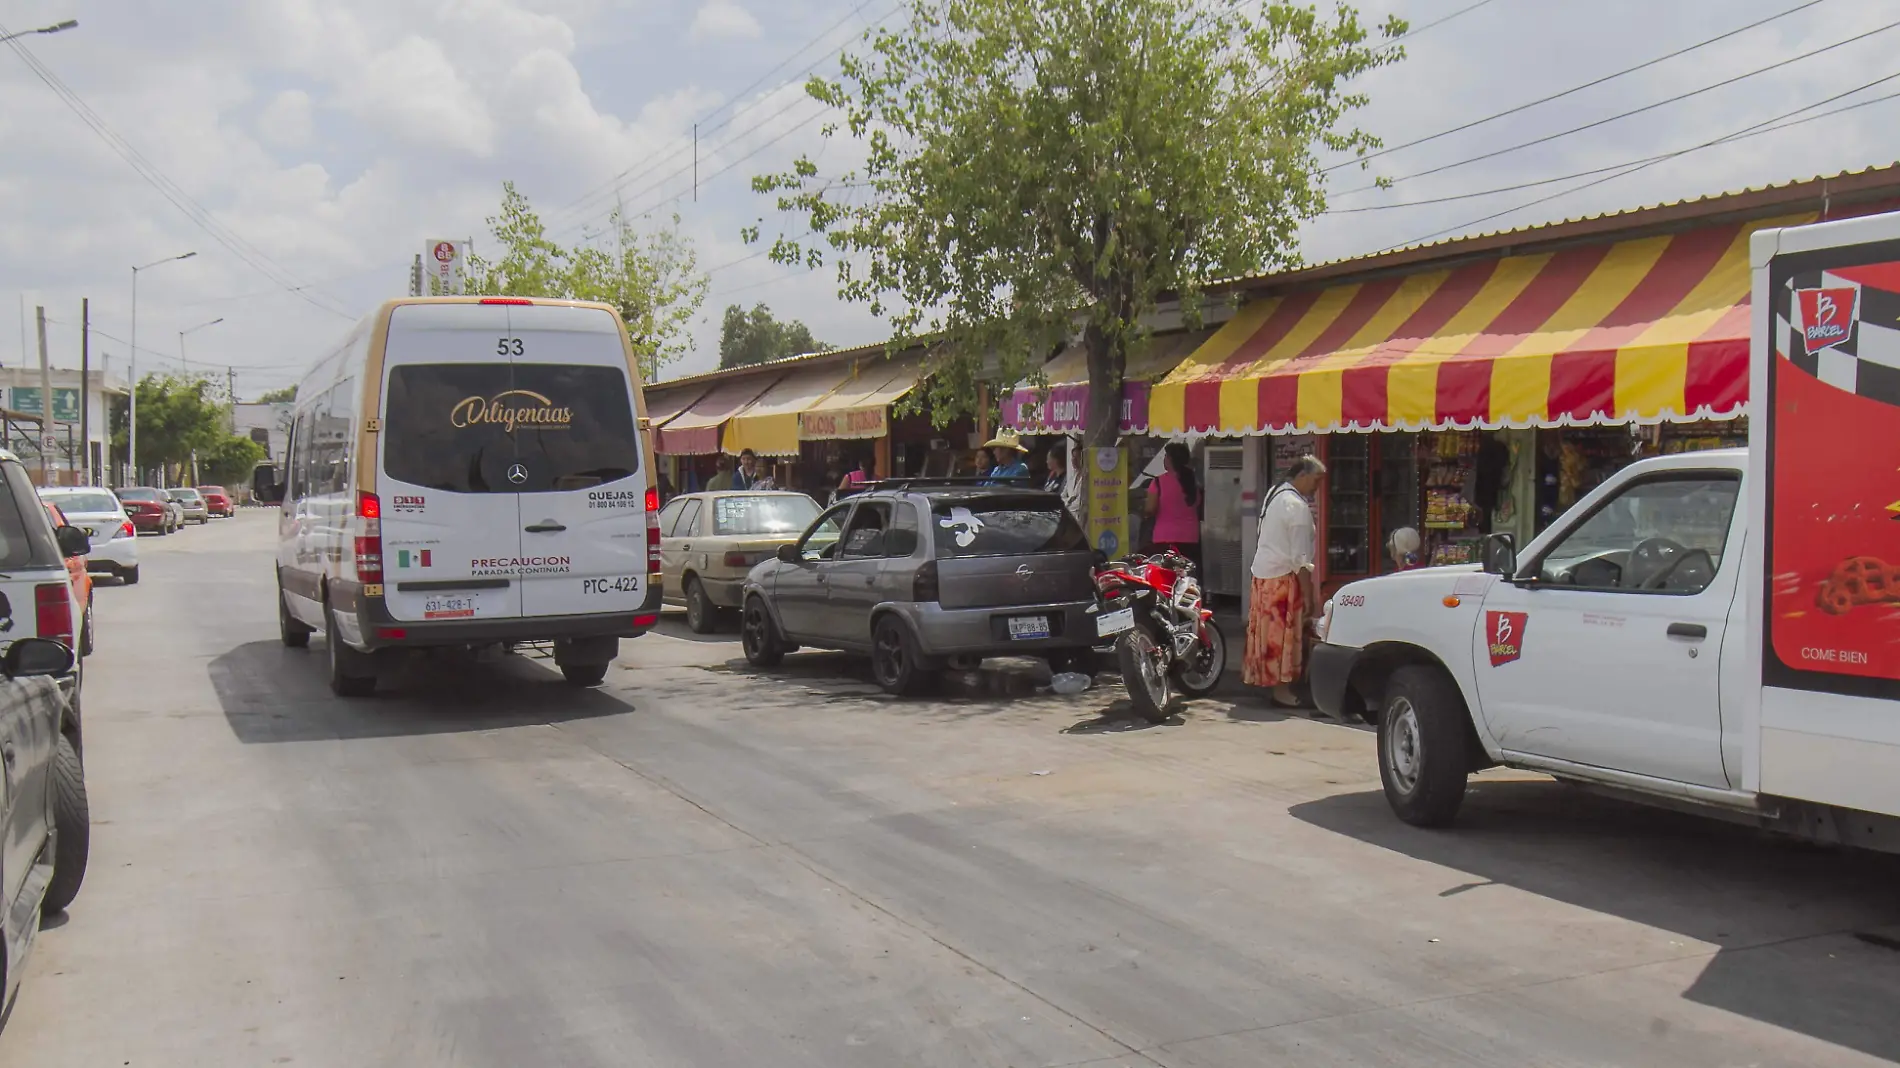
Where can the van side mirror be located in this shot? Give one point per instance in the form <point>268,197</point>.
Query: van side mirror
<point>266,487</point>
<point>1500,555</point>
<point>73,541</point>
<point>28,657</point>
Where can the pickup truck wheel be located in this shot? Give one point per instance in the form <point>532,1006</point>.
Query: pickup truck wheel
<point>1422,746</point>
<point>702,616</point>
<point>72,828</point>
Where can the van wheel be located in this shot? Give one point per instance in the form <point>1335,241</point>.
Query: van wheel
<point>72,828</point>
<point>702,616</point>
<point>584,674</point>
<point>759,636</point>
<point>352,671</point>
<point>1422,746</point>
<point>294,632</point>
<point>895,662</point>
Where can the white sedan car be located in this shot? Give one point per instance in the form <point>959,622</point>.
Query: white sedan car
<point>115,543</point>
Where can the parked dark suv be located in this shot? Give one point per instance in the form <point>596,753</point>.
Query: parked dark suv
<point>921,575</point>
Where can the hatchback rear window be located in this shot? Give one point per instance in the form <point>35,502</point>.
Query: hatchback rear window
<point>763,515</point>
<point>82,503</point>
<point>1005,526</point>
<point>508,428</point>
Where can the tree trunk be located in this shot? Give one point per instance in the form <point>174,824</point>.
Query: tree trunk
<point>1107,360</point>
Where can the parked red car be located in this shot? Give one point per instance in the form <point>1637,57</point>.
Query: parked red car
<point>148,508</point>
<point>217,502</point>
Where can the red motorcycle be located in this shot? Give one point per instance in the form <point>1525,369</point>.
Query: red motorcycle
<point>1151,607</point>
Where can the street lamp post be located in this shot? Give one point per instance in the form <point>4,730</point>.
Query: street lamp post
<point>132,411</point>
<point>57,27</point>
<point>183,366</point>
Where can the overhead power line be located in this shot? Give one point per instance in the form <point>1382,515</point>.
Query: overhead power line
<point>1547,138</point>
<point>1646,164</point>
<point>589,201</point>
<point>252,256</point>
<point>1593,83</point>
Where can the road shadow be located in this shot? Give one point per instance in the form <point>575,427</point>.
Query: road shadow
<point>272,694</point>
<point>673,625</point>
<point>1785,914</point>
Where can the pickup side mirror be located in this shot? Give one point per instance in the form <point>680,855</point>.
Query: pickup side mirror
<point>1500,555</point>
<point>73,541</point>
<point>789,554</point>
<point>266,487</point>
<point>28,657</point>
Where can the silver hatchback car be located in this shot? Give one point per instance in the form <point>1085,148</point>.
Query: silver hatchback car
<point>922,575</point>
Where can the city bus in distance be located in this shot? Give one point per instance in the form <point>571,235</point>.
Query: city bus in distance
<point>467,471</point>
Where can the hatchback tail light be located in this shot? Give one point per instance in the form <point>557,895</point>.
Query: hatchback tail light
<point>653,529</point>
<point>369,538</point>
<point>53,611</point>
<point>924,587</point>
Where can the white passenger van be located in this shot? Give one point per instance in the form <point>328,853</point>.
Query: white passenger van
<point>468,471</point>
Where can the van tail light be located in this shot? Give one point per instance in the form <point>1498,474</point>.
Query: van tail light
<point>653,529</point>
<point>506,300</point>
<point>53,611</point>
<point>127,530</point>
<point>369,538</point>
<point>924,587</point>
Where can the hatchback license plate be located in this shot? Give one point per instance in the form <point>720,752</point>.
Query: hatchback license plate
<point>1028,627</point>
<point>1109,624</point>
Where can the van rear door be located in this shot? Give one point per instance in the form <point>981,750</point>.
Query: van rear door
<point>450,522</point>
<point>580,470</point>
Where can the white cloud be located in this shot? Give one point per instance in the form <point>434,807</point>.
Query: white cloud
<point>413,91</point>
<point>724,19</point>
<point>286,122</point>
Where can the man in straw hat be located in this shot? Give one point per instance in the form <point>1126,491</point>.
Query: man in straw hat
<point>1006,449</point>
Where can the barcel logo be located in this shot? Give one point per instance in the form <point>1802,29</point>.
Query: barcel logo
<point>515,407</point>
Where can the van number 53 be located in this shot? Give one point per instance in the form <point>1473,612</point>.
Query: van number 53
<point>508,346</point>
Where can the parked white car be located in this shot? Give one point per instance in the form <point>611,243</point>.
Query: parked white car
<point>115,542</point>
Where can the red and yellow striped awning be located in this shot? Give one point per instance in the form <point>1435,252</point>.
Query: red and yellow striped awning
<point>1646,330</point>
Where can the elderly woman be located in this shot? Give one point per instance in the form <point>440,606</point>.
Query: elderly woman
<point>1283,598</point>
<point>1402,547</point>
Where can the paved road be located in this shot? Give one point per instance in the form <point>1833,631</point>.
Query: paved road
<point>697,866</point>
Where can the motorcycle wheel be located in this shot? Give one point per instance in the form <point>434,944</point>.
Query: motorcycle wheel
<point>1198,674</point>
<point>1141,668</point>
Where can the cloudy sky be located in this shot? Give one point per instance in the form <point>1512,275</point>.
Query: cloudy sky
<point>306,149</point>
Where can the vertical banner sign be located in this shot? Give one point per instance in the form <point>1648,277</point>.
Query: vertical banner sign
<point>442,262</point>
<point>1108,501</point>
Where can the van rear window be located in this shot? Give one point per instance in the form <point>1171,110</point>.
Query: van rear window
<point>508,428</point>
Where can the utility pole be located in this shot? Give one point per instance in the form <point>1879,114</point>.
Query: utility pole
<point>46,396</point>
<point>415,277</point>
<point>85,387</point>
<point>230,393</point>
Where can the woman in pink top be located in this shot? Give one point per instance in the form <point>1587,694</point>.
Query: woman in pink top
<point>1174,503</point>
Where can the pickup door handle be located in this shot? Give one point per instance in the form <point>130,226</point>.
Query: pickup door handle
<point>546,526</point>
<point>1688,630</point>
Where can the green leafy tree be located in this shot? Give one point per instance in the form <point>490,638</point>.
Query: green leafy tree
<point>1035,169</point>
<point>177,416</point>
<point>279,396</point>
<point>229,461</point>
<point>653,278</point>
<point>754,337</point>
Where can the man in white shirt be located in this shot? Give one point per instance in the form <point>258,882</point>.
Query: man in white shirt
<point>1283,594</point>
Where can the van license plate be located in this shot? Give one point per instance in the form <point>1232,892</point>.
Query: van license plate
<point>448,608</point>
<point>1022,627</point>
<point>1109,624</point>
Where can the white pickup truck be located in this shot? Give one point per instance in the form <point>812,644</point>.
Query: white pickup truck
<point>1717,631</point>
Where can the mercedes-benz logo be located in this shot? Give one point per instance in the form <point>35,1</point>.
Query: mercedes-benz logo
<point>517,474</point>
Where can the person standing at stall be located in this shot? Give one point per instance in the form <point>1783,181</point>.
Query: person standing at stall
<point>1283,595</point>
<point>1174,505</point>
<point>1007,452</point>
<point>860,476</point>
